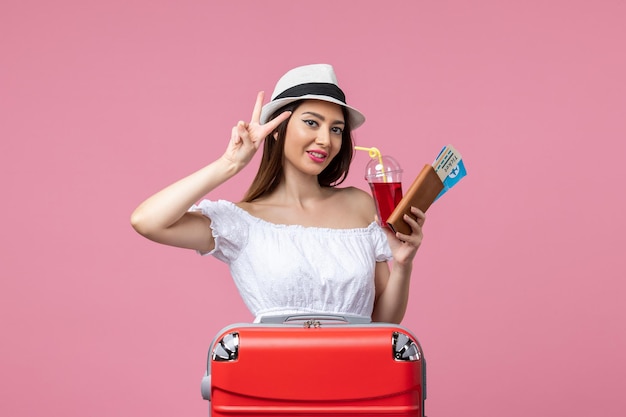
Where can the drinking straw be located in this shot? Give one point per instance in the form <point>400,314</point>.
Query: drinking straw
<point>374,153</point>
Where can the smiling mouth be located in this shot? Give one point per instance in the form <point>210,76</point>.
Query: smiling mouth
<point>317,155</point>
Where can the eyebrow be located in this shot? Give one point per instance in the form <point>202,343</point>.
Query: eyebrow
<point>319,116</point>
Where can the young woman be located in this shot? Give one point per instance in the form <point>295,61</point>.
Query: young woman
<point>296,243</point>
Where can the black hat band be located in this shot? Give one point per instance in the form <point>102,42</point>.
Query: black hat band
<point>318,89</point>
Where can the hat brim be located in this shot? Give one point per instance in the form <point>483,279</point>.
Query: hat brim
<point>356,118</point>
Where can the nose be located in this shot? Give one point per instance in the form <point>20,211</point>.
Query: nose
<point>323,137</point>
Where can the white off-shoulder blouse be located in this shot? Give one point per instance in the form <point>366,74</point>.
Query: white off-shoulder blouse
<point>288,269</point>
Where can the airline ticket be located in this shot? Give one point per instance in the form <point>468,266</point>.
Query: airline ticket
<point>450,167</point>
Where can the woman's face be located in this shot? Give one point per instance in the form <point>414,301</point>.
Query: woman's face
<point>314,135</point>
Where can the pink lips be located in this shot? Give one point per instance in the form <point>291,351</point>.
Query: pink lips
<point>317,156</point>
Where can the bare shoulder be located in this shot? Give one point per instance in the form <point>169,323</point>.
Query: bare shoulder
<point>356,193</point>
<point>358,201</point>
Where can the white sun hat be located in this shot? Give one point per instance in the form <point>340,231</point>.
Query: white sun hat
<point>310,82</point>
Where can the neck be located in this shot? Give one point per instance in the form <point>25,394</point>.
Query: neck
<point>299,190</point>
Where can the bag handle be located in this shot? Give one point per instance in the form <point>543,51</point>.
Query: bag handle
<point>315,320</point>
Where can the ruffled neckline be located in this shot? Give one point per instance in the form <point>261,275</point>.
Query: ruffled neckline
<point>259,220</point>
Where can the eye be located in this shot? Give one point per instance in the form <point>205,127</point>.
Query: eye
<point>337,130</point>
<point>310,123</point>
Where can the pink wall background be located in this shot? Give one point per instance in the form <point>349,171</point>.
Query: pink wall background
<point>518,292</point>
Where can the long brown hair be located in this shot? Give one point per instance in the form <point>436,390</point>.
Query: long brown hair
<point>270,172</point>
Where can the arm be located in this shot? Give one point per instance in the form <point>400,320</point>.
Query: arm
<point>392,287</point>
<point>164,217</point>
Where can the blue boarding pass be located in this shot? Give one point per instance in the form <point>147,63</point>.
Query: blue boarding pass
<point>450,168</point>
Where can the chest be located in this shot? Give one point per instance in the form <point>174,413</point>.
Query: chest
<point>291,255</point>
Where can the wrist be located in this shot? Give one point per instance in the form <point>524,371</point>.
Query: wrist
<point>404,266</point>
<point>228,166</point>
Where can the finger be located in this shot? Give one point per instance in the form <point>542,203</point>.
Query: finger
<point>273,124</point>
<point>234,135</point>
<point>402,237</point>
<point>242,129</point>
<point>420,216</point>
<point>414,239</point>
<point>258,106</point>
<point>411,221</point>
<point>416,227</point>
<point>246,137</point>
